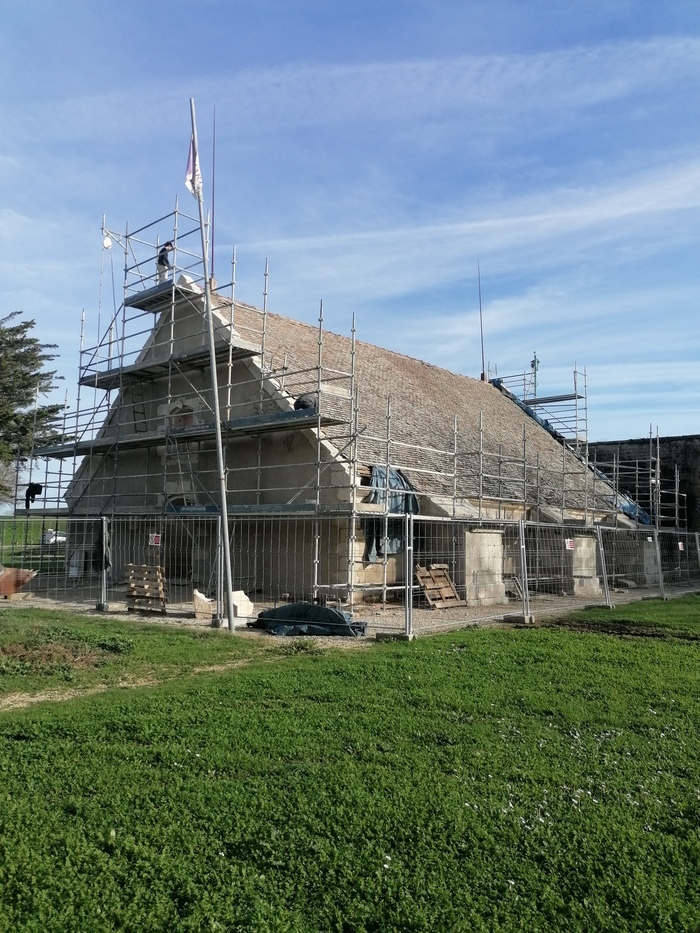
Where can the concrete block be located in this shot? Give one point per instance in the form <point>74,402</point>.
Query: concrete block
<point>483,566</point>
<point>242,606</point>
<point>203,607</point>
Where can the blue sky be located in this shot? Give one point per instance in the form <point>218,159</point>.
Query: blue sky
<point>375,152</point>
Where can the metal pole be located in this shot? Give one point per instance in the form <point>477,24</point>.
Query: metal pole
<point>385,517</point>
<point>214,386</point>
<point>454,472</point>
<point>481,461</point>
<point>319,453</point>
<point>657,548</point>
<point>103,569</point>
<point>353,469</point>
<point>524,470</point>
<point>219,573</point>
<point>658,481</point>
<point>563,482</point>
<point>523,570</point>
<point>408,589</point>
<point>603,569</point>
<point>677,500</point>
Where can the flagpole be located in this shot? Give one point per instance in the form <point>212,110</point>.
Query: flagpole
<point>197,189</point>
<point>213,192</point>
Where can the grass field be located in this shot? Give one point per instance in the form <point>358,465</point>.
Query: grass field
<point>21,545</point>
<point>533,779</point>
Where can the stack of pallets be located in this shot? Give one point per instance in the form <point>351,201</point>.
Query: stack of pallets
<point>146,587</point>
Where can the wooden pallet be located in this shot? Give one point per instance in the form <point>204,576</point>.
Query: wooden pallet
<point>146,587</point>
<point>437,586</point>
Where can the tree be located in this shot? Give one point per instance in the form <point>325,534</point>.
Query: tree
<point>24,423</point>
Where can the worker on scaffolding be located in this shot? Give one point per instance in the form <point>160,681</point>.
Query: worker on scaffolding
<point>163,262</point>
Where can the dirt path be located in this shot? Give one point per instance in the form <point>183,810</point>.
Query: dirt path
<point>23,700</point>
<point>56,695</point>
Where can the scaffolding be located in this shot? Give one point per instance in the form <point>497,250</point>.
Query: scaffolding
<point>648,481</point>
<point>300,449</point>
<point>564,415</point>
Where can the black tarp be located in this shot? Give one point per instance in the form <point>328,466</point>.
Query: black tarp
<point>308,619</point>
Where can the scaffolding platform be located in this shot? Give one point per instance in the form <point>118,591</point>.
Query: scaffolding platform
<point>159,297</point>
<point>151,369</point>
<point>251,426</point>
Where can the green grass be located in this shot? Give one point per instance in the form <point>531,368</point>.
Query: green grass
<point>20,544</point>
<point>679,617</point>
<point>535,779</point>
<point>45,650</point>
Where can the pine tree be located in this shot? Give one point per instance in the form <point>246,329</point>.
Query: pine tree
<point>24,424</point>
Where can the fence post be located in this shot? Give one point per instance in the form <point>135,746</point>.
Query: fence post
<point>219,575</point>
<point>662,593</point>
<point>103,604</point>
<point>603,568</point>
<point>523,571</point>
<point>408,584</point>
<point>697,548</point>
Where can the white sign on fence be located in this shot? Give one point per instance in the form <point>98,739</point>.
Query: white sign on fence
<point>154,540</point>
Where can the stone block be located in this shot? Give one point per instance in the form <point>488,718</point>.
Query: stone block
<point>242,606</point>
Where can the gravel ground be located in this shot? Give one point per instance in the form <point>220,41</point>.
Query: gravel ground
<point>380,620</point>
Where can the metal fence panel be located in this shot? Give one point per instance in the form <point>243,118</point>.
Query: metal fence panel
<point>564,567</point>
<point>631,562</point>
<point>679,560</point>
<point>463,572</point>
<point>367,564</point>
<point>60,555</point>
<point>291,558</point>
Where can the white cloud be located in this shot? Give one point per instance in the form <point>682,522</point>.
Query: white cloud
<point>570,174</point>
<point>499,88</point>
<point>553,230</point>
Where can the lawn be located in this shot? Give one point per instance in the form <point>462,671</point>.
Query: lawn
<point>22,544</point>
<point>42,650</point>
<point>490,779</point>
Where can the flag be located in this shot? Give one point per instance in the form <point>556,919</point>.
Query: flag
<point>193,177</point>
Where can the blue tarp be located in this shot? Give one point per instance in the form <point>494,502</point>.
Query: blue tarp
<point>399,496</point>
<point>498,383</point>
<point>308,619</point>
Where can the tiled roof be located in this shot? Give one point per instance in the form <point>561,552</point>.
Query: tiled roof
<point>424,401</point>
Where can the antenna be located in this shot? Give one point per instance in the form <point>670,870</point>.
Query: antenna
<point>534,366</point>
<point>481,325</point>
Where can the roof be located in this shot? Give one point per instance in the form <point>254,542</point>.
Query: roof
<point>425,400</point>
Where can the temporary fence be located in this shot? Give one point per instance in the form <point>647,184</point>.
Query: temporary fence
<point>403,574</point>
<point>91,563</point>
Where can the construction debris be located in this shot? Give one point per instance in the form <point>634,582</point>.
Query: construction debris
<point>203,607</point>
<point>12,579</point>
